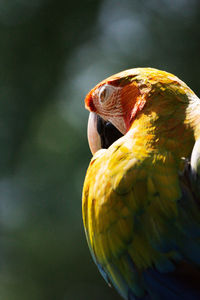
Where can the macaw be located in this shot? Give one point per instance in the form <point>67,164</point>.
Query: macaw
<point>141,195</point>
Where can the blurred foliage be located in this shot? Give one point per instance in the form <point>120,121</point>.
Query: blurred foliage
<point>51,55</point>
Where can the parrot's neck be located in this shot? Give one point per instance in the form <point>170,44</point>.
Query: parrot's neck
<point>167,126</point>
<point>152,133</point>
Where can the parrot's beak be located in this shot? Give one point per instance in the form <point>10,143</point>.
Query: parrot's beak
<point>101,133</point>
<point>94,139</point>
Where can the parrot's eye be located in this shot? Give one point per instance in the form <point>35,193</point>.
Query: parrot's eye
<point>101,133</point>
<point>105,92</point>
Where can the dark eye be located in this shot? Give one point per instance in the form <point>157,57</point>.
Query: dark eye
<point>105,93</point>
<point>102,94</point>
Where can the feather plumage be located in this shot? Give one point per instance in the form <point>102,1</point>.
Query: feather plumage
<point>140,200</point>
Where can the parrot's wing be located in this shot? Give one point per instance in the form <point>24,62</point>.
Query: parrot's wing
<point>195,168</point>
<point>142,224</point>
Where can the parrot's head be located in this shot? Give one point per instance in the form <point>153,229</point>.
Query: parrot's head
<point>124,100</point>
<point>113,104</point>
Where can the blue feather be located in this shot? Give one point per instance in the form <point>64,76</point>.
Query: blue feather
<point>169,287</point>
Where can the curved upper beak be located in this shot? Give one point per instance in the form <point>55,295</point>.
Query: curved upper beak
<point>94,138</point>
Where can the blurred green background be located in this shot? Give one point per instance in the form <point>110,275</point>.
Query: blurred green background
<point>52,53</point>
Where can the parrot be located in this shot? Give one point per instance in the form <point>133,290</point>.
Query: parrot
<point>141,194</point>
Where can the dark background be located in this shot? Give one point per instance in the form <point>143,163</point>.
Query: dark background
<point>52,53</point>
